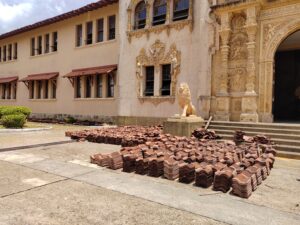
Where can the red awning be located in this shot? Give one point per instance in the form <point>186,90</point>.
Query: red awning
<point>42,76</point>
<point>6,80</point>
<point>92,71</point>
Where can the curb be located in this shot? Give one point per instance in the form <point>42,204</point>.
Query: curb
<point>3,131</point>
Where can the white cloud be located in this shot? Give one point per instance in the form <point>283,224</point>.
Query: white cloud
<point>18,13</point>
<point>10,12</point>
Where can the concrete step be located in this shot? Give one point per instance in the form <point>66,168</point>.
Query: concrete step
<point>290,126</point>
<point>288,155</point>
<point>269,134</point>
<point>258,130</point>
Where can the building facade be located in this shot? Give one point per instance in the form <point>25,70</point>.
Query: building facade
<point>122,61</point>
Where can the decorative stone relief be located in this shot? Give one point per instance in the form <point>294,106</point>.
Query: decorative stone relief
<point>156,56</point>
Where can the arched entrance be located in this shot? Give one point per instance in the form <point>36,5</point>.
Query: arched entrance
<point>286,80</point>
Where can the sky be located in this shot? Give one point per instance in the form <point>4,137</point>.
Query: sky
<point>18,13</point>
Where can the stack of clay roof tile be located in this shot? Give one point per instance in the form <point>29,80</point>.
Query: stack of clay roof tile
<point>115,161</point>
<point>204,176</point>
<point>142,166</point>
<point>239,136</point>
<point>223,179</point>
<point>171,169</point>
<point>203,133</point>
<point>100,159</point>
<point>241,185</point>
<point>129,163</point>
<point>156,167</point>
<point>186,173</point>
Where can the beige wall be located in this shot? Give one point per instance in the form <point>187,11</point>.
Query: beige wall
<point>67,58</point>
<point>195,63</point>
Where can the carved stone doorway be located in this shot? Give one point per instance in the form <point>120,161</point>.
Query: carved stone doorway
<point>286,85</point>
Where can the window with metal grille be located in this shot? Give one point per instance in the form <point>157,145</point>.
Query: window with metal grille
<point>111,27</point>
<point>181,10</point>
<point>100,30</point>
<point>140,15</point>
<point>166,80</point>
<point>47,43</point>
<point>149,82</point>
<point>89,33</point>
<point>159,12</point>
<point>88,86</point>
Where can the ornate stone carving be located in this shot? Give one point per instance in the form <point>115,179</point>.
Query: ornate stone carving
<point>185,101</point>
<point>156,56</point>
<point>157,100</point>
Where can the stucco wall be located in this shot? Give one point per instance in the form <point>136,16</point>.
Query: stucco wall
<point>67,58</point>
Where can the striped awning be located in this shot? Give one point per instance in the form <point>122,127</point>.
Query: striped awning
<point>92,71</point>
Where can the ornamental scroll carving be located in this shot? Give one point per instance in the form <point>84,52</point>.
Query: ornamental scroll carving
<point>157,56</point>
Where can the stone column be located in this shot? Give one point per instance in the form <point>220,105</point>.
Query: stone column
<point>157,80</point>
<point>223,99</point>
<point>249,101</point>
<point>149,15</point>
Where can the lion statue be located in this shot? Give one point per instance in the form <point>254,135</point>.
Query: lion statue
<point>185,100</point>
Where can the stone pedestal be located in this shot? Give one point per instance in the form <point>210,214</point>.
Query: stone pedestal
<point>182,126</point>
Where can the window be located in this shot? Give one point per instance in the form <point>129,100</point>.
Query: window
<point>32,44</point>
<point>166,80</point>
<point>110,86</point>
<point>181,9</point>
<point>159,12</point>
<point>46,91</point>
<point>16,51</point>
<point>0,54</point>
<point>8,88</point>
<point>3,91</point>
<point>47,43</point>
<point>39,89</point>
<point>4,54</point>
<point>89,33</point>
<point>31,95</point>
<point>55,41</point>
<point>40,43</point>
<point>99,87</point>
<point>111,27</point>
<point>149,90</point>
<point>140,15</point>
<point>79,35</point>
<point>53,89</point>
<point>100,30</point>
<point>9,52</point>
<point>88,86</point>
<point>78,87</point>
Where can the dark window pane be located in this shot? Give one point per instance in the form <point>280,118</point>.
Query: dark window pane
<point>55,42</point>
<point>140,15</point>
<point>46,89</point>
<point>16,51</point>
<point>78,87</point>
<point>54,89</point>
<point>39,89</point>
<point>100,30</point>
<point>32,46</point>
<point>89,33</point>
<point>40,42</point>
<point>88,86</point>
<point>149,90</point>
<point>9,52</point>
<point>32,90</point>
<point>110,86</point>
<point>111,27</point>
<point>0,54</point>
<point>181,9</point>
<point>4,54</point>
<point>78,35</point>
<point>166,80</point>
<point>99,86</point>
<point>47,43</point>
<point>159,12</point>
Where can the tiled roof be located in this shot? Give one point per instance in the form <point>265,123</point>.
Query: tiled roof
<point>5,80</point>
<point>42,76</point>
<point>65,16</point>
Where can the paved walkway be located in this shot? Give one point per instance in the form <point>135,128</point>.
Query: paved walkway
<point>57,185</point>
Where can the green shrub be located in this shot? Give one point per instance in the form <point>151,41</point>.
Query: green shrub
<point>13,121</point>
<point>12,110</point>
<point>70,119</point>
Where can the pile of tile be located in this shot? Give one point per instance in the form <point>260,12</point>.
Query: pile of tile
<point>204,176</point>
<point>239,136</point>
<point>203,133</point>
<point>147,151</point>
<point>186,173</point>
